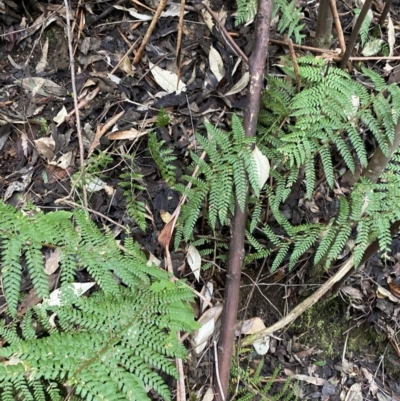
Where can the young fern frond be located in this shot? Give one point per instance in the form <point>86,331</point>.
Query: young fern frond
<point>131,182</point>
<point>163,118</point>
<point>163,158</point>
<point>254,387</point>
<point>246,10</point>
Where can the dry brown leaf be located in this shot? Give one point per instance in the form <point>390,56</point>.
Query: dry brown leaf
<point>127,134</point>
<point>165,216</point>
<point>53,262</point>
<point>216,64</point>
<point>165,236</point>
<point>41,65</point>
<point>41,86</point>
<point>194,261</point>
<point>249,326</point>
<point>394,289</point>
<point>45,147</point>
<point>240,85</point>
<point>384,293</point>
<point>354,293</point>
<point>102,129</point>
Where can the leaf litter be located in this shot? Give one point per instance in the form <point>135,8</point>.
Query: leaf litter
<point>40,155</point>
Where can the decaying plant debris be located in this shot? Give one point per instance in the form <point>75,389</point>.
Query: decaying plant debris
<point>124,121</point>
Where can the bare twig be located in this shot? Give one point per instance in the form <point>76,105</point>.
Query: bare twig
<point>82,103</point>
<point>181,393</point>
<point>88,209</point>
<point>307,303</point>
<point>385,12</point>
<point>354,34</point>
<point>146,38</point>
<point>179,41</point>
<point>379,58</point>
<point>143,5</point>
<point>106,12</point>
<point>323,29</point>
<point>226,35</point>
<point>130,50</point>
<point>295,65</point>
<point>73,83</point>
<point>308,48</point>
<point>379,161</point>
<point>338,26</point>
<point>217,373</point>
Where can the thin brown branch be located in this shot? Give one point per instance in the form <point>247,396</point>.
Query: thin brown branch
<point>105,13</point>
<point>379,161</point>
<point>354,34</point>
<point>179,41</point>
<point>302,307</point>
<point>73,83</point>
<point>379,58</point>
<point>295,65</point>
<point>226,35</point>
<point>307,48</point>
<point>323,29</point>
<point>130,50</point>
<point>236,247</point>
<point>385,12</point>
<point>338,26</point>
<point>146,38</point>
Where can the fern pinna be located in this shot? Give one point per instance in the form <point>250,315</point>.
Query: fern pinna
<point>331,113</point>
<point>289,21</point>
<point>112,345</point>
<point>221,180</point>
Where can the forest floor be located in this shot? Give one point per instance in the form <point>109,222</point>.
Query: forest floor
<point>341,348</point>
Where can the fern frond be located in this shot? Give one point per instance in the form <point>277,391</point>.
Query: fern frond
<point>163,158</point>
<point>106,346</point>
<point>284,249</point>
<point>246,11</point>
<point>301,246</point>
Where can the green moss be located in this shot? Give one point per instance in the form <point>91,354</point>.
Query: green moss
<point>326,326</point>
<point>51,35</point>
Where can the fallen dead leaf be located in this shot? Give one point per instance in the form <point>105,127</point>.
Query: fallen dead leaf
<point>263,166</point>
<point>216,64</point>
<point>249,326</point>
<point>209,395</point>
<point>53,262</point>
<point>167,80</point>
<point>240,85</point>
<point>207,291</point>
<point>394,289</point>
<point>384,293</point>
<point>194,261</point>
<point>78,288</point>
<point>207,321</point>
<point>102,129</point>
<point>45,147</point>
<point>127,134</point>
